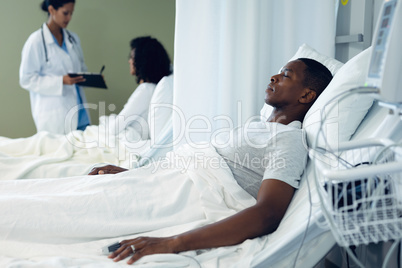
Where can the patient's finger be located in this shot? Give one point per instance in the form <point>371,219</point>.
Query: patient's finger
<point>123,245</point>
<point>124,254</point>
<point>94,171</point>
<point>115,253</point>
<point>109,169</point>
<point>136,256</point>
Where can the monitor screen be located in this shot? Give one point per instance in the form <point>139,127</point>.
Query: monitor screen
<point>380,43</point>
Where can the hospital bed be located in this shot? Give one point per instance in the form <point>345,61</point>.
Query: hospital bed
<point>301,239</point>
<point>46,155</point>
<point>353,180</point>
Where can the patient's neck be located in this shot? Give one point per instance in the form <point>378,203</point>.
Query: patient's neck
<point>286,117</point>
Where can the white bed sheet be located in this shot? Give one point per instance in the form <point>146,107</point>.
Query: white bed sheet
<point>65,222</point>
<point>46,155</point>
<point>49,226</point>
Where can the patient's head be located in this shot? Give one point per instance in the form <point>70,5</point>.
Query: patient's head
<point>293,91</point>
<point>149,60</point>
<point>316,75</point>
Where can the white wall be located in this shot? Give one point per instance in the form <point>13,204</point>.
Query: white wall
<point>353,20</point>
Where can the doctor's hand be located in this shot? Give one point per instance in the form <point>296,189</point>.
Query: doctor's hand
<point>67,80</point>
<point>142,246</point>
<point>108,169</point>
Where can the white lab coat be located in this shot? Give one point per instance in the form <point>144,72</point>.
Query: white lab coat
<point>51,100</point>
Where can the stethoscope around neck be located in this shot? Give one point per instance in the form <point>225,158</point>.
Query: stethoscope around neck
<point>70,38</point>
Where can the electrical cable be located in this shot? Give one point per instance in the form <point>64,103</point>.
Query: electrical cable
<point>386,148</point>
<point>377,188</point>
<point>397,242</point>
<point>346,163</point>
<point>308,223</point>
<point>340,96</point>
<point>389,253</point>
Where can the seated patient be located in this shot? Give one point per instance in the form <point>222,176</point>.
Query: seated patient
<point>149,62</point>
<point>291,93</point>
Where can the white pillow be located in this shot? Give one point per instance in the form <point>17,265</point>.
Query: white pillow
<point>342,117</point>
<point>160,108</point>
<point>305,51</point>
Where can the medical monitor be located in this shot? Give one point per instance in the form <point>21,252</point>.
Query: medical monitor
<point>385,69</point>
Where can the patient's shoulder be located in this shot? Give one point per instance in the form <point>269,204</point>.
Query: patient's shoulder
<point>164,91</point>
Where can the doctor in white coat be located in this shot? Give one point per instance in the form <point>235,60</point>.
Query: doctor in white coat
<point>48,55</point>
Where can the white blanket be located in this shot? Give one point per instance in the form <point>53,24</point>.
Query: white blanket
<point>46,155</point>
<point>65,222</point>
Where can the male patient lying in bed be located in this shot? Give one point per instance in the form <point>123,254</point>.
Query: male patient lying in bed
<point>276,153</point>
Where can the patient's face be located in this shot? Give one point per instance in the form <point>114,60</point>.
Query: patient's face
<point>286,87</point>
<point>131,62</point>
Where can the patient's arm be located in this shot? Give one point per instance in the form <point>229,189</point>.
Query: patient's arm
<point>108,169</point>
<point>263,218</point>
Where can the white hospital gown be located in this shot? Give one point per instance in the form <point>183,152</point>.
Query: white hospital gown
<point>135,111</point>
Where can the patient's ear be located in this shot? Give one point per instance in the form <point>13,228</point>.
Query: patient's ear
<point>308,96</point>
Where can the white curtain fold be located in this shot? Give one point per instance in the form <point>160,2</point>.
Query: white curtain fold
<point>226,52</point>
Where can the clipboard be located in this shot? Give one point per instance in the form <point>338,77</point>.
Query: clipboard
<point>91,80</point>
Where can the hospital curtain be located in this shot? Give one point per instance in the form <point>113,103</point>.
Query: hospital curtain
<point>226,52</point>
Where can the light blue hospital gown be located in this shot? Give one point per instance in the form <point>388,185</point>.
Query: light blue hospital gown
<point>83,118</point>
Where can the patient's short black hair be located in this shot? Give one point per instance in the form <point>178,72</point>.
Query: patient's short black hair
<point>151,60</point>
<point>316,75</point>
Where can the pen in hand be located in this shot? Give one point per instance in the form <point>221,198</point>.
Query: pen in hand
<point>103,68</point>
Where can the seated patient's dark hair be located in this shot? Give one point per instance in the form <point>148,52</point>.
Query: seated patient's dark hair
<point>316,75</point>
<point>151,60</point>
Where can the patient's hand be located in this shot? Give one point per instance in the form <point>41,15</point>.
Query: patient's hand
<point>143,246</point>
<point>109,169</point>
